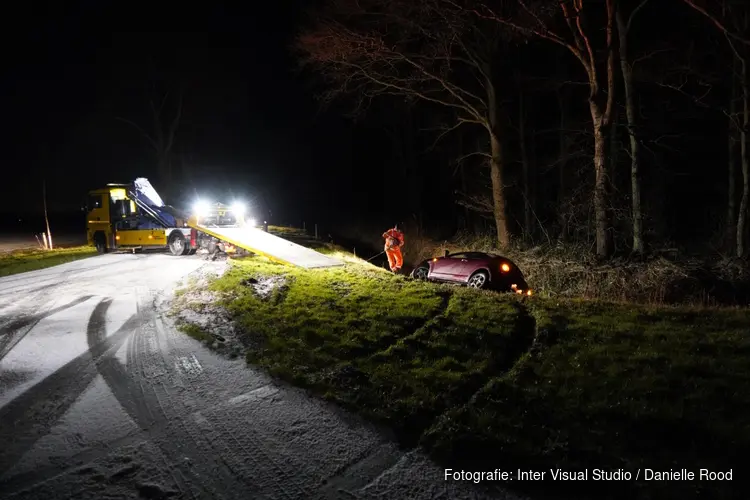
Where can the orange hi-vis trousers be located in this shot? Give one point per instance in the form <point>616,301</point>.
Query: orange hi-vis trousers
<point>395,259</point>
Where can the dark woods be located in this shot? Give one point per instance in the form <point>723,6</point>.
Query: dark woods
<point>621,124</point>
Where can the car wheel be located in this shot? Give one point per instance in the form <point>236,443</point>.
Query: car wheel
<point>479,279</point>
<point>177,243</point>
<point>420,273</point>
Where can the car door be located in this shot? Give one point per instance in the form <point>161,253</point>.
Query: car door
<point>465,267</point>
<point>445,268</point>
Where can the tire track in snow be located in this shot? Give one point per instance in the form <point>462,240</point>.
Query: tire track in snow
<point>245,451</point>
<point>185,450</point>
<point>31,415</point>
<point>13,332</point>
<point>48,274</point>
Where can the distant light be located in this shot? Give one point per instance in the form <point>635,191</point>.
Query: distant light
<point>238,208</point>
<point>528,292</point>
<point>201,208</point>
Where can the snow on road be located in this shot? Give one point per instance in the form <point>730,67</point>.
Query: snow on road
<point>100,397</point>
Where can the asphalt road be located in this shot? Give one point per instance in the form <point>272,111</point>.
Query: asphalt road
<point>100,397</point>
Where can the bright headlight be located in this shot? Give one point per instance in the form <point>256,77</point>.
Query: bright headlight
<point>201,208</point>
<point>252,222</point>
<point>238,208</point>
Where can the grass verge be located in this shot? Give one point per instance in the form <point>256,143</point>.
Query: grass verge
<point>196,332</point>
<point>21,261</point>
<point>490,381</point>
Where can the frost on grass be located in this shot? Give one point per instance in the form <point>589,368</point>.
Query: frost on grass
<point>264,286</point>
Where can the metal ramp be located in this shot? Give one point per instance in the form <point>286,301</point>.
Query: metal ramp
<point>260,242</point>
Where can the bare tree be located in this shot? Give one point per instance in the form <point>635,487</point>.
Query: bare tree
<point>46,218</point>
<point>732,140</point>
<point>623,29</point>
<point>426,50</point>
<point>734,23</point>
<point>742,57</point>
<point>733,33</point>
<point>536,21</point>
<point>528,212</point>
<point>163,130</point>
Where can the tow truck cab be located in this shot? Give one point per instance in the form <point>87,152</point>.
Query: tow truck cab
<point>114,220</point>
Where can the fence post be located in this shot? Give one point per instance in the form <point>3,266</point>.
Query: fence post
<point>316,231</point>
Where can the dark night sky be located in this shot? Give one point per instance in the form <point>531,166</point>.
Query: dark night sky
<point>251,127</point>
<point>250,123</point>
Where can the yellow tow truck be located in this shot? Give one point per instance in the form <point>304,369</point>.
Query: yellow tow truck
<point>133,216</point>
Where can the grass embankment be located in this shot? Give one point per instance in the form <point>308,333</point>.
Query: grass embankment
<point>21,261</point>
<point>486,380</point>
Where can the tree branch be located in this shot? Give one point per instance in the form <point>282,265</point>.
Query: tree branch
<point>544,32</point>
<point>448,130</point>
<point>633,14</point>
<point>143,132</point>
<point>716,22</point>
<point>174,125</point>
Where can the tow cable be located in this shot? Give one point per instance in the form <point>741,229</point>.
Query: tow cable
<point>378,255</point>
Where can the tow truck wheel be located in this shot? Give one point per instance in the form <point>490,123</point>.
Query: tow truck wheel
<point>100,243</point>
<point>177,243</point>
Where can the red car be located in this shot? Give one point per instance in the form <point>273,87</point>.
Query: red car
<point>474,269</point>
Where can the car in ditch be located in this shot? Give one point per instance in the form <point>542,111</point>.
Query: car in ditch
<point>475,270</point>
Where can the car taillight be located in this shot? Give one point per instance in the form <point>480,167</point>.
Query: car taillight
<point>193,237</point>
<point>528,292</point>
<point>505,267</point>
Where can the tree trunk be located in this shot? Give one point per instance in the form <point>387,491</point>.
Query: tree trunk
<point>46,218</point>
<point>463,184</point>
<point>497,164</point>
<point>600,187</point>
<point>165,172</point>
<point>562,157</point>
<point>528,218</point>
<point>465,189</point>
<point>635,174</point>
<point>614,151</point>
<point>498,190</point>
<point>742,217</point>
<point>731,222</point>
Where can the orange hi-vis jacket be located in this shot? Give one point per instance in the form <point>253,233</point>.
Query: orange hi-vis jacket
<point>393,239</point>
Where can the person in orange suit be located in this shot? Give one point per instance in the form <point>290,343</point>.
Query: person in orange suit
<point>394,240</point>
